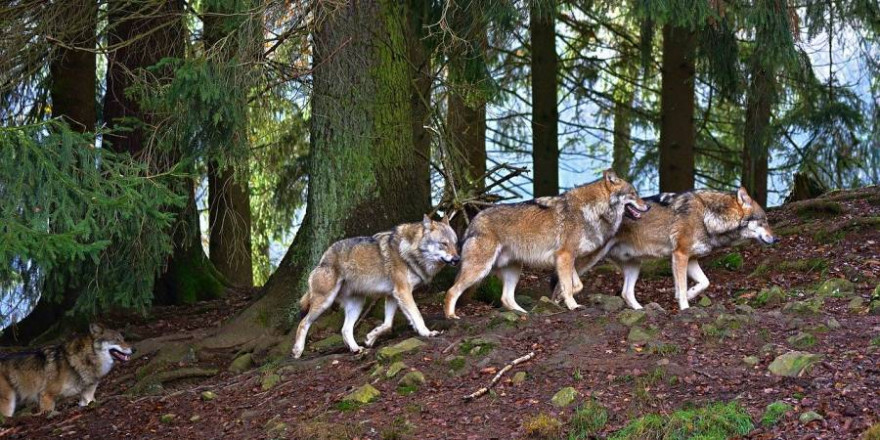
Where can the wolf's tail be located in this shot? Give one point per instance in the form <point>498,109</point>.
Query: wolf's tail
<point>304,304</point>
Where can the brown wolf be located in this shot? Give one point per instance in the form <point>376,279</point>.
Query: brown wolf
<point>548,232</point>
<point>388,264</point>
<point>683,226</point>
<point>73,368</point>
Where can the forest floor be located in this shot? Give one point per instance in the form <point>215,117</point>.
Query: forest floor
<point>660,374</point>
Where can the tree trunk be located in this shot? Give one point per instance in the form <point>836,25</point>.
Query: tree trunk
<point>72,89</point>
<point>420,97</point>
<point>624,95</point>
<point>757,136</point>
<point>545,115</point>
<point>467,128</point>
<point>677,111</point>
<point>362,163</point>
<point>229,208</point>
<point>144,33</point>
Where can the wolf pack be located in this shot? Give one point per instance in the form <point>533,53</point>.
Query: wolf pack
<point>568,234</point>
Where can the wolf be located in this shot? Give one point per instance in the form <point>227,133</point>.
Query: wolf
<point>544,233</point>
<point>73,368</point>
<point>388,264</point>
<point>683,226</point>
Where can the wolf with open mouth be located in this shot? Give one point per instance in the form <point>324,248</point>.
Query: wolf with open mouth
<point>71,369</point>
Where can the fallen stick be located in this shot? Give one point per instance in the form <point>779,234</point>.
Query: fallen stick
<point>498,375</point>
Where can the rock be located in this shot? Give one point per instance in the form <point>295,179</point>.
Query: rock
<point>525,301</point>
<point>856,303</point>
<point>412,379</point>
<point>242,363</point>
<point>363,395</point>
<point>744,309</point>
<point>546,306</point>
<point>607,303</point>
<point>328,343</point>
<point>167,418</point>
<point>875,296</point>
<point>518,378</point>
<point>631,317</point>
<point>505,317</point>
<point>394,352</point>
<point>330,321</point>
<point>654,309</point>
<point>874,307</point>
<point>705,301</point>
<point>810,416</point>
<point>794,363</point>
<point>836,287</point>
<point>769,348</point>
<point>455,362</point>
<point>564,397</point>
<point>640,335</point>
<point>771,296</point>
<point>806,307</point>
<point>751,360</point>
<point>195,418</point>
<point>270,380</point>
<point>832,323</point>
<point>395,368</point>
<point>692,314</point>
<point>802,340</point>
<point>207,396</point>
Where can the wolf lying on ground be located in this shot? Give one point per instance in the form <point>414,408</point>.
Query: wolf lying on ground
<point>548,232</point>
<point>388,264</point>
<point>683,226</point>
<point>71,369</point>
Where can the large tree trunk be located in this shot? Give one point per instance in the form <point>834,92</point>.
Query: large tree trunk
<point>362,163</point>
<point>545,115</point>
<point>72,90</point>
<point>143,33</point>
<point>677,110</point>
<point>228,31</point>
<point>756,138</point>
<point>467,128</point>
<point>420,96</point>
<point>624,95</point>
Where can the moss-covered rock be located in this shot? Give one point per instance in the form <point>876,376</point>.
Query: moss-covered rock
<point>631,317</point>
<point>810,306</point>
<point>794,363</point>
<point>802,340</point>
<point>395,368</point>
<point>546,306</point>
<point>771,296</point>
<point>242,363</point>
<point>810,416</point>
<point>328,343</point>
<point>208,395</point>
<point>751,360</point>
<point>269,381</point>
<point>519,377</point>
<point>640,335</point>
<point>732,261</point>
<point>836,287</point>
<point>412,379</point>
<point>608,303</point>
<point>363,395</point>
<point>705,301</point>
<point>564,397</point>
<point>394,352</point>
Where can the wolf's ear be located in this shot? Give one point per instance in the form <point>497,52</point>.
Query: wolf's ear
<point>95,329</point>
<point>426,222</point>
<point>743,197</point>
<point>610,176</point>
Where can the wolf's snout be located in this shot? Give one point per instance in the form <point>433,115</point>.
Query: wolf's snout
<point>454,260</point>
<point>769,239</point>
<point>634,210</point>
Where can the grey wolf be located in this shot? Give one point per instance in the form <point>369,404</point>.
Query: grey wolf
<point>545,233</point>
<point>71,369</point>
<point>389,264</point>
<point>683,226</point>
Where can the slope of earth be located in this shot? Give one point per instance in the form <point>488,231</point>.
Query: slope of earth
<point>607,367</point>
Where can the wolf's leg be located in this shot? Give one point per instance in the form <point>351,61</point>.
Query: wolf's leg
<point>509,277</point>
<point>565,271</point>
<point>353,306</point>
<point>477,258</point>
<point>324,286</point>
<point>88,395</point>
<point>407,304</point>
<point>7,398</point>
<point>630,276</point>
<point>47,402</point>
<point>696,274</point>
<point>679,274</point>
<point>390,310</point>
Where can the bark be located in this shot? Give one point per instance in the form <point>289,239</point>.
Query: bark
<point>545,115</point>
<point>624,95</point>
<point>144,33</point>
<point>677,110</point>
<point>72,89</point>
<point>229,209</point>
<point>757,136</point>
<point>420,97</point>
<point>362,161</point>
<point>467,128</point>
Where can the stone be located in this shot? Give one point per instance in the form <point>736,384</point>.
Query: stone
<point>412,379</point>
<point>546,306</point>
<point>328,343</point>
<point>874,307</point>
<point>242,363</point>
<point>167,418</point>
<point>802,340</point>
<point>654,309</point>
<point>525,301</point>
<point>195,418</point>
<point>810,416</point>
<point>564,397</point>
<point>505,317</point>
<point>794,363</point>
<point>607,303</point>
<point>856,303</point>
<point>806,307</point>
<point>705,301</point>
<point>771,296</point>
<point>270,380</point>
<point>208,396</point>
<point>518,378</point>
<point>394,352</point>
<point>631,317</point>
<point>836,287</point>
<point>875,296</point>
<point>363,395</point>
<point>640,335</point>
<point>751,360</point>
<point>832,324</point>
<point>395,368</point>
<point>692,314</point>
<point>744,309</point>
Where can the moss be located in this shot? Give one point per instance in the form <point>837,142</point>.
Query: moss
<point>806,265</point>
<point>587,419</point>
<point>872,433</point>
<point>732,262</point>
<point>788,230</point>
<point>715,421</point>
<point>322,429</point>
<point>774,413</point>
<point>663,349</point>
<point>812,209</point>
<point>348,405</point>
<point>771,296</point>
<point>660,268</point>
<point>405,390</point>
<point>399,429</point>
<point>542,426</point>
<point>489,291</point>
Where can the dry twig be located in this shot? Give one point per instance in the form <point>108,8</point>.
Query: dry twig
<point>498,375</point>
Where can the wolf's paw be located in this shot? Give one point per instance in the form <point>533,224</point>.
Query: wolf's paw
<point>296,352</point>
<point>452,316</point>
<point>431,333</point>
<point>370,341</point>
